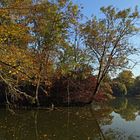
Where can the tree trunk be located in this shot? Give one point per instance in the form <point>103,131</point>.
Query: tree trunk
<point>36,94</point>
<point>96,90</point>
<point>68,92</point>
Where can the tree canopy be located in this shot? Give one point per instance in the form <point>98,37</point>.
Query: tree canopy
<point>42,42</point>
<point>107,40</point>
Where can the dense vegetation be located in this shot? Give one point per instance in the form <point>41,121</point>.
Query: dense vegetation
<point>126,84</point>
<point>47,55</point>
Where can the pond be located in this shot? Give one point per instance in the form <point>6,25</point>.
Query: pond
<point>117,120</point>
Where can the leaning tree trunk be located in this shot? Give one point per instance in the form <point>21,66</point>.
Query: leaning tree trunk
<point>97,88</point>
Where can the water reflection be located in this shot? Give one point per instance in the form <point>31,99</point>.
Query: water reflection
<point>62,124</point>
<point>120,119</point>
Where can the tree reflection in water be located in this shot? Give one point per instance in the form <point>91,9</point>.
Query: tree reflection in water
<point>62,124</point>
<point>122,122</point>
<point>118,120</point>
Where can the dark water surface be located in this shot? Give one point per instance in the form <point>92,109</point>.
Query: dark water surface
<point>118,120</point>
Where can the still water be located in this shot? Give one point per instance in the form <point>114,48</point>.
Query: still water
<point>117,120</point>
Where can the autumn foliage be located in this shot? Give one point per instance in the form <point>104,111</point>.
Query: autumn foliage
<point>42,60</point>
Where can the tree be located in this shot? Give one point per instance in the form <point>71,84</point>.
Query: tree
<point>15,57</point>
<point>51,21</point>
<point>31,35</point>
<point>107,40</point>
<point>136,87</point>
<point>119,89</point>
<point>126,78</point>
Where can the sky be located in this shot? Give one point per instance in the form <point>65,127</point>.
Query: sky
<point>92,7</point>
